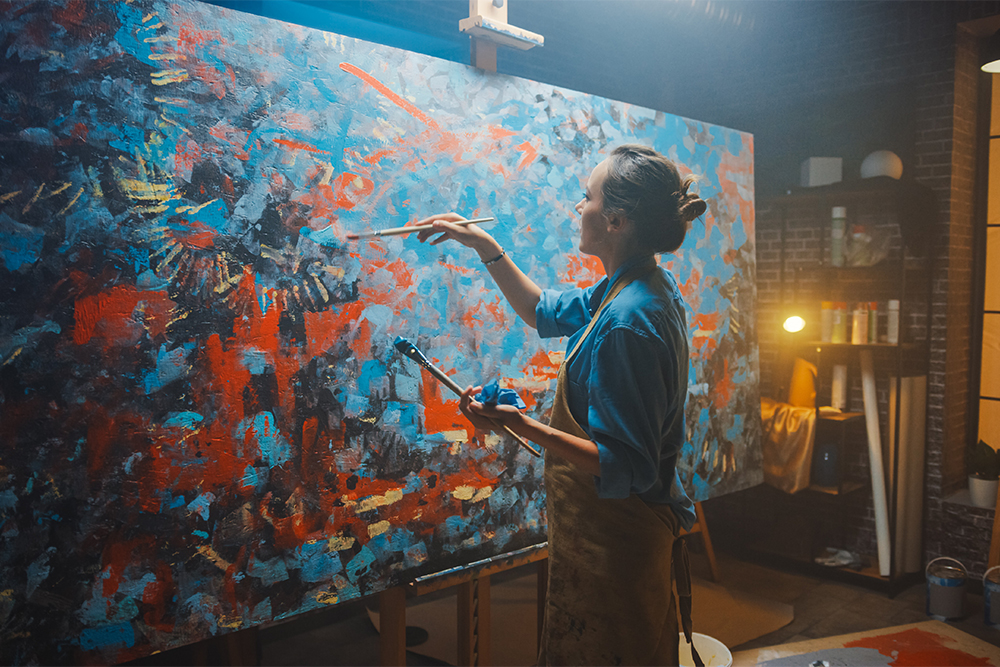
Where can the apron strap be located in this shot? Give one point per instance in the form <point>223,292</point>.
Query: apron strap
<point>682,574</point>
<point>620,284</point>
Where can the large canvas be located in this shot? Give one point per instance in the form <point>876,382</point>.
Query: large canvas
<point>205,425</point>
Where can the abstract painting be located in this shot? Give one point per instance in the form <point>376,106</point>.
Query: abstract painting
<point>205,425</point>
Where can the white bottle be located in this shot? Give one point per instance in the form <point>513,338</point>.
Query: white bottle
<point>892,322</point>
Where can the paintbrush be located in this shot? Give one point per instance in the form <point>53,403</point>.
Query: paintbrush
<point>410,350</point>
<point>396,231</point>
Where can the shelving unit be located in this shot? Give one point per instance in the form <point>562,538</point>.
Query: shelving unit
<point>902,275</point>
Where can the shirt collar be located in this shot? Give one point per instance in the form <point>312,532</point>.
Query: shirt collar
<point>602,287</point>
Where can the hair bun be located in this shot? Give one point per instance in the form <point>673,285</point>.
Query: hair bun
<point>691,206</point>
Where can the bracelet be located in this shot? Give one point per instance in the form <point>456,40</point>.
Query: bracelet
<point>495,259</point>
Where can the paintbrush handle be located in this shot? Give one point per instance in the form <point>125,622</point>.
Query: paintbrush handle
<point>451,384</point>
<point>396,231</point>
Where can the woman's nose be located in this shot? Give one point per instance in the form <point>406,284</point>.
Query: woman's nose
<point>579,207</point>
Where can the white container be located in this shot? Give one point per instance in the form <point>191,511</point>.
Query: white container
<point>713,652</point>
<point>983,492</point>
<point>838,388</point>
<point>945,588</point>
<point>859,325</point>
<point>838,225</point>
<point>892,322</point>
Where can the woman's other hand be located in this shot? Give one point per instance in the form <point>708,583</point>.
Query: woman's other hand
<point>488,417</point>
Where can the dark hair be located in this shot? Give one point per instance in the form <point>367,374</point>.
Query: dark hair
<point>646,188</point>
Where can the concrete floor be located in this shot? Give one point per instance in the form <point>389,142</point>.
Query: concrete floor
<point>344,635</point>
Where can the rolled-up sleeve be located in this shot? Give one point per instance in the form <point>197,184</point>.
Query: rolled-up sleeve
<point>562,312</point>
<point>629,403</point>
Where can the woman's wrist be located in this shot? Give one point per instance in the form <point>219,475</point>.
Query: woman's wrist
<point>489,251</point>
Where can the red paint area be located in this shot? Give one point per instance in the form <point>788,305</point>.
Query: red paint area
<point>396,99</point>
<point>704,325</point>
<point>919,648</point>
<point>440,415</point>
<point>723,387</point>
<point>195,235</point>
<point>120,314</point>
<point>583,270</point>
<point>351,189</point>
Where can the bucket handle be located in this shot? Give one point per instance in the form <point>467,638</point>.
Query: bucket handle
<point>927,569</point>
<point>995,567</point>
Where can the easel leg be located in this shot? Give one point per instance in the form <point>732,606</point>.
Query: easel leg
<point>707,540</point>
<point>543,591</point>
<point>392,626</point>
<point>474,625</point>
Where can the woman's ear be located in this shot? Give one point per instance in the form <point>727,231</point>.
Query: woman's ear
<point>616,222</point>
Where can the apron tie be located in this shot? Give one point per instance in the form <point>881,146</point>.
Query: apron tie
<point>682,574</point>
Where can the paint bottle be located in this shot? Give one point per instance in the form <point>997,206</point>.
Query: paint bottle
<point>873,321</point>
<point>826,321</point>
<point>859,324</point>
<point>892,322</point>
<point>945,588</point>
<point>838,225</point>
<point>838,333</point>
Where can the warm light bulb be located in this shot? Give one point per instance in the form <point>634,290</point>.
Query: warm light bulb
<point>794,324</point>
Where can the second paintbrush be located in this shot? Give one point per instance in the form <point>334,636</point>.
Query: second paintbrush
<point>396,231</point>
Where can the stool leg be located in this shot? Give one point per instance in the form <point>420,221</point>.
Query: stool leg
<point>713,566</point>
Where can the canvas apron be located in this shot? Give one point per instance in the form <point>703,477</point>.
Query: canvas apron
<point>611,561</point>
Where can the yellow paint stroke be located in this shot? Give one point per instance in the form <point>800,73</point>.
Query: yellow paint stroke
<point>7,594</point>
<point>163,77</point>
<point>377,529</point>
<point>172,100</point>
<point>321,287</point>
<point>217,560</point>
<point>270,253</point>
<point>152,209</point>
<point>164,56</point>
<point>335,271</point>
<point>11,357</point>
<point>195,209</point>
<point>340,543</point>
<point>472,494</point>
<point>59,189</point>
<point>176,250</point>
<point>145,191</point>
<point>161,38</point>
<point>327,597</point>
<point>371,502</point>
<point>230,621</point>
<point>179,318</point>
<point>175,124</point>
<point>71,202</point>
<point>154,26</point>
<point>10,195</point>
<point>38,192</point>
<point>149,17</point>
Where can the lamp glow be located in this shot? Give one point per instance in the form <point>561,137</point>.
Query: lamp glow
<point>794,324</point>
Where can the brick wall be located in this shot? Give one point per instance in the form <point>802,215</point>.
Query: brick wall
<point>881,43</point>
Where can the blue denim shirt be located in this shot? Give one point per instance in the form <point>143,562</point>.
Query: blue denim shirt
<point>628,381</point>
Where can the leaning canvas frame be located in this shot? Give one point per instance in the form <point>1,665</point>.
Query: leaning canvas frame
<point>205,425</point>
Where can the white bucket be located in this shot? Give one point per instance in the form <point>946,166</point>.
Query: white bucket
<point>713,652</point>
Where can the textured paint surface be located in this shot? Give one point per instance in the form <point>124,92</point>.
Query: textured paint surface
<point>909,648</point>
<point>205,424</point>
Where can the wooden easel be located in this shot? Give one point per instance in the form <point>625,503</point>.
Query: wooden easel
<point>473,582</point>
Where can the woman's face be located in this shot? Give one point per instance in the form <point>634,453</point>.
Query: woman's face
<point>593,221</point>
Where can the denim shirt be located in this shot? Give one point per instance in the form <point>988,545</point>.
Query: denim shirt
<point>628,381</point>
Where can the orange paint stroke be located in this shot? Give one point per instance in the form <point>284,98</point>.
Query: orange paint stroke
<point>299,145</point>
<point>530,153</point>
<point>382,88</point>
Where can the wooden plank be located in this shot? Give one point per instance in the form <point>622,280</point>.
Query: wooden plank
<point>484,568</point>
<point>392,626</point>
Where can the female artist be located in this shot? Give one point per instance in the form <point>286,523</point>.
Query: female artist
<point>614,501</point>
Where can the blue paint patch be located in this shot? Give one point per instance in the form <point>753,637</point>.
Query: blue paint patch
<point>200,533</point>
<point>108,635</point>
<point>20,245</point>
<point>262,431</point>
<point>202,504</point>
<point>269,572</point>
<point>185,420</point>
<point>326,237</point>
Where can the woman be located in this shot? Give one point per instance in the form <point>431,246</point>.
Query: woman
<point>614,498</point>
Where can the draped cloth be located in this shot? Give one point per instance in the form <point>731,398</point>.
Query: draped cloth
<point>789,433</point>
<point>611,563</point>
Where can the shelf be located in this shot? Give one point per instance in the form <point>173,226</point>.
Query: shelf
<point>844,489</point>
